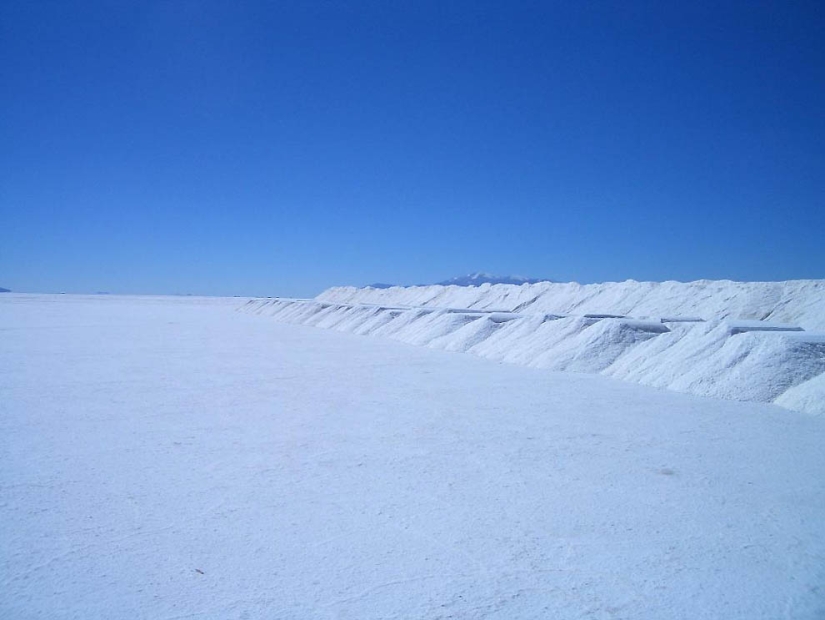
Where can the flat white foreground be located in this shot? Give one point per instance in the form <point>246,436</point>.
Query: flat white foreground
<point>171,458</point>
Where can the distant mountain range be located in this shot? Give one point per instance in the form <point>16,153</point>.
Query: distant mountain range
<point>475,279</point>
<point>4,290</point>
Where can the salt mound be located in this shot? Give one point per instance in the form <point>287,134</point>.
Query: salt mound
<point>808,396</point>
<point>721,358</point>
<point>467,336</point>
<point>514,342</point>
<point>754,366</point>
<point>433,325</point>
<point>800,302</point>
<point>598,346</point>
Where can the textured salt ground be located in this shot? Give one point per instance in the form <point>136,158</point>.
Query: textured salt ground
<point>171,458</point>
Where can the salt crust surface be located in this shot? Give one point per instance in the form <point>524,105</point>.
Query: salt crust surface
<point>171,458</point>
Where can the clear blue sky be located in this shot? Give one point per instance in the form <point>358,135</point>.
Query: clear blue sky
<point>277,148</point>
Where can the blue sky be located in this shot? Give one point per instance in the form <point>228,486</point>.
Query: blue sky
<point>277,148</point>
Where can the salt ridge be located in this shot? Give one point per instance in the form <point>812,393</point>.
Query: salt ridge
<point>800,302</point>
<point>732,355</point>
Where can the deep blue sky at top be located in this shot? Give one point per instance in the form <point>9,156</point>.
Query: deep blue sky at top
<point>278,148</point>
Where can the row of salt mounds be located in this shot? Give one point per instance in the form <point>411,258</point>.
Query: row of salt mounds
<point>740,360</point>
<point>712,359</point>
<point>801,302</point>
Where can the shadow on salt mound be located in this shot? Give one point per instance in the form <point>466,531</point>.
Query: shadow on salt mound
<point>511,336</point>
<point>660,361</point>
<point>599,315</point>
<point>548,335</point>
<point>654,327</point>
<point>808,396</point>
<point>383,307</point>
<point>503,317</point>
<point>350,319</point>
<point>375,321</point>
<point>263,307</point>
<point>256,306</point>
<point>432,326</point>
<point>298,312</point>
<point>803,336</point>
<point>596,346</point>
<point>400,321</point>
<point>754,366</point>
<point>333,317</point>
<point>326,310</point>
<point>468,335</point>
<point>478,327</point>
<point>744,326</point>
<point>466,311</point>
